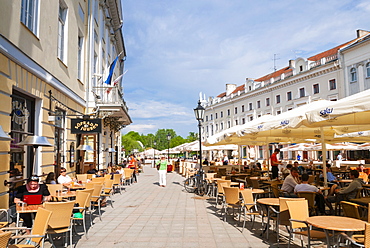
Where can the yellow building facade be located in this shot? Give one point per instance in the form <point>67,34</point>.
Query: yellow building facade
<point>50,54</point>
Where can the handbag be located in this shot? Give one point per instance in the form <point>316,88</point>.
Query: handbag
<point>158,165</point>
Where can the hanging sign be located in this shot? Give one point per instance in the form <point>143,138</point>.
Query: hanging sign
<point>86,126</point>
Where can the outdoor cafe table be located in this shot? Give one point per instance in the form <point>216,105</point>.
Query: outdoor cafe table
<point>336,223</point>
<point>25,210</point>
<point>275,202</point>
<point>67,194</point>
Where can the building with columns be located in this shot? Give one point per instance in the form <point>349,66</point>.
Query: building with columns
<point>55,58</point>
<point>333,74</point>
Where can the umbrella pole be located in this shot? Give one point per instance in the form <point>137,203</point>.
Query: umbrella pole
<point>323,146</point>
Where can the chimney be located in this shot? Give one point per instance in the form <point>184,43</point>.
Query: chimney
<point>230,88</point>
<point>361,33</point>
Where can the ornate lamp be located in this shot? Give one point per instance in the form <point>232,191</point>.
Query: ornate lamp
<point>199,115</point>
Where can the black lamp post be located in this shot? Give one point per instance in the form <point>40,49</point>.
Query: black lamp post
<point>154,144</point>
<point>199,115</point>
<point>168,147</point>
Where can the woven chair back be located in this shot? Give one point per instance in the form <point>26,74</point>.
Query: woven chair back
<point>284,211</point>
<point>350,209</point>
<point>41,223</point>
<point>220,184</point>
<point>4,239</point>
<point>81,177</point>
<point>117,179</point>
<point>98,180</point>
<point>231,195</point>
<point>97,192</point>
<point>81,199</point>
<point>63,210</point>
<point>247,196</point>
<point>298,210</point>
<point>54,187</point>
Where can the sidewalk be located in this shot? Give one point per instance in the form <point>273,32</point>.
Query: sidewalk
<point>147,215</point>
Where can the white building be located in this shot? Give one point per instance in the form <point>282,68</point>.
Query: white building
<point>330,75</point>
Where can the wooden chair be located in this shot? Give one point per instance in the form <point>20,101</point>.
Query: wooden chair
<point>82,199</point>
<point>356,240</point>
<point>38,232</point>
<point>53,189</point>
<point>100,180</point>
<point>351,210</point>
<point>117,182</point>
<point>4,214</point>
<point>310,197</point>
<point>220,190</point>
<point>89,176</point>
<point>128,175</point>
<point>337,205</point>
<point>108,191</point>
<point>231,200</point>
<point>283,215</point>
<point>96,197</point>
<point>81,177</point>
<point>62,221</point>
<point>4,239</point>
<point>248,206</point>
<point>298,215</point>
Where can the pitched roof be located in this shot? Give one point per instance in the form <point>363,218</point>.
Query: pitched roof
<point>274,74</point>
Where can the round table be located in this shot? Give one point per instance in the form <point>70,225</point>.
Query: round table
<point>337,223</point>
<point>269,201</point>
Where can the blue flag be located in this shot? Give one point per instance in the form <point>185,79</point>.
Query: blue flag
<point>111,70</point>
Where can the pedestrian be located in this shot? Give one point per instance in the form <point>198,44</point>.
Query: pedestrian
<point>162,171</point>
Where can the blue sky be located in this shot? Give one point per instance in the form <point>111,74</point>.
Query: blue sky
<point>179,48</point>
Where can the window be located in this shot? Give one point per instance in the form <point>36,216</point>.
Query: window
<point>242,108</point>
<point>289,96</point>
<point>228,124</point>
<point>258,104</point>
<point>236,122</point>
<point>250,106</point>
<point>301,92</point>
<point>251,118</point>
<point>278,112</point>
<point>62,18</point>
<point>228,112</point>
<point>332,84</point>
<point>215,115</point>
<point>300,68</point>
<point>368,69</point>
<point>211,117</point>
<point>79,57</point>
<point>222,126</point>
<point>267,101</point>
<point>30,14</point>
<point>353,74</point>
<point>243,120</point>
<point>277,98</point>
<point>316,89</point>
<point>216,128</point>
<point>206,117</point>
<point>221,114</point>
<point>236,110</point>
<point>206,129</point>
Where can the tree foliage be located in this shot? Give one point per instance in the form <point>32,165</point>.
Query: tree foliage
<point>129,140</point>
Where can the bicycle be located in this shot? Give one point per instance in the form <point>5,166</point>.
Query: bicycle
<point>196,183</point>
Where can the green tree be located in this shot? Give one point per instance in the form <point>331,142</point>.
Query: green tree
<point>130,144</point>
<point>192,137</point>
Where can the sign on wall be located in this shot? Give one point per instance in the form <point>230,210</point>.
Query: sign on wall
<point>86,126</point>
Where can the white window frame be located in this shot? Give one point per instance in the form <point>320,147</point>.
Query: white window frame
<point>62,31</point>
<point>368,69</point>
<point>353,74</point>
<point>30,10</point>
<point>80,59</point>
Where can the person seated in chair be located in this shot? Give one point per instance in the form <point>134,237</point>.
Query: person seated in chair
<point>304,186</point>
<point>338,194</point>
<point>362,174</point>
<point>290,182</point>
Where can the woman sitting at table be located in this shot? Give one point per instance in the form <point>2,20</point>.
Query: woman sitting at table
<point>31,188</point>
<point>50,178</point>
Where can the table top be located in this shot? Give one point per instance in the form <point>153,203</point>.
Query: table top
<point>78,186</point>
<point>273,182</point>
<point>260,178</point>
<point>28,208</point>
<point>269,201</point>
<point>337,223</point>
<point>65,194</point>
<point>345,180</point>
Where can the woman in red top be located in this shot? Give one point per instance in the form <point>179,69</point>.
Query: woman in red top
<point>132,164</point>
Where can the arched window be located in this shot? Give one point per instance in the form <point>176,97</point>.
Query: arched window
<point>353,74</point>
<point>368,69</point>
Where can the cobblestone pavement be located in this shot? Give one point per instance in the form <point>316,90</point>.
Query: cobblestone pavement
<point>146,215</point>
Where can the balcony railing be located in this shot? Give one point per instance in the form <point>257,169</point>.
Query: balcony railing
<point>109,96</point>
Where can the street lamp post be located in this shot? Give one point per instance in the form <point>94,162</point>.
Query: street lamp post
<point>168,147</point>
<point>154,144</point>
<point>199,115</point>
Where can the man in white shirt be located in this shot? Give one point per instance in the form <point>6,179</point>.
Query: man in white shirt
<point>305,187</point>
<point>290,182</point>
<point>64,178</point>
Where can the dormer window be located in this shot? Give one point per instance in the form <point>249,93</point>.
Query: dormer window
<point>301,68</point>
